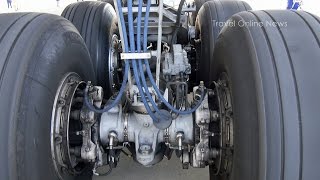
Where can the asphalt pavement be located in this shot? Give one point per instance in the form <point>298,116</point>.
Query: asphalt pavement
<point>165,170</point>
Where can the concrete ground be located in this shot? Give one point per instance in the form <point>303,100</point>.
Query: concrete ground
<point>168,170</point>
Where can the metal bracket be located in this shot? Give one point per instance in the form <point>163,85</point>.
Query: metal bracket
<point>125,56</point>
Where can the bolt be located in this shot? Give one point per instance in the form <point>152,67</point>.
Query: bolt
<point>202,120</point>
<point>211,162</point>
<point>145,149</point>
<point>61,101</point>
<point>146,124</point>
<point>82,116</point>
<point>214,115</point>
<point>87,149</point>
<point>229,113</point>
<point>58,139</point>
<point>208,121</point>
<point>185,166</point>
<point>201,84</point>
<point>210,93</point>
<point>79,133</point>
<point>71,81</point>
<point>208,133</point>
<point>88,120</point>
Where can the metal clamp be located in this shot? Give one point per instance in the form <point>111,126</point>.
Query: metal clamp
<point>143,55</point>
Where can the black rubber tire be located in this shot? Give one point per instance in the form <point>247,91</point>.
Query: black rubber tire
<point>207,30</point>
<point>108,1</point>
<point>274,75</point>
<point>198,4</point>
<point>37,50</point>
<point>97,22</point>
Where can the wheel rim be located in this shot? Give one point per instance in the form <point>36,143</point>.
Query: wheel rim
<point>64,156</point>
<point>223,162</point>
<point>113,64</point>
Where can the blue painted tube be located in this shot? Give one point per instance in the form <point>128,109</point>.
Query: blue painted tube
<point>143,79</point>
<point>139,26</point>
<point>289,4</point>
<point>293,5</point>
<point>125,78</point>
<point>134,63</point>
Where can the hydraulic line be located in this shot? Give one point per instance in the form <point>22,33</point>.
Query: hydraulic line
<point>143,79</point>
<point>134,63</point>
<point>125,78</point>
<point>136,73</point>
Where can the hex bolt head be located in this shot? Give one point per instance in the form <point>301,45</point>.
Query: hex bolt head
<point>58,139</point>
<point>72,81</point>
<point>146,124</point>
<point>201,83</point>
<point>82,115</point>
<point>87,149</point>
<point>185,166</point>
<point>61,101</point>
<point>145,149</point>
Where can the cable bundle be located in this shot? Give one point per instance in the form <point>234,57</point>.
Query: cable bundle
<point>138,72</point>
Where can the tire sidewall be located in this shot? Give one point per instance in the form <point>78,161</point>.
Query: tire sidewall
<point>237,59</point>
<point>59,50</point>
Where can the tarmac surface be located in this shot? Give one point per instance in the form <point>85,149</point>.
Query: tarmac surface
<point>165,170</point>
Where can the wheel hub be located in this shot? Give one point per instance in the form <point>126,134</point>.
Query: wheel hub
<point>114,66</point>
<point>223,162</point>
<point>65,125</point>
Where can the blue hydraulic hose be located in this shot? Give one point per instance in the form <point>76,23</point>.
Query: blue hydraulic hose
<point>143,79</point>
<point>139,26</point>
<point>136,74</point>
<point>145,32</point>
<point>125,78</point>
<point>134,63</point>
